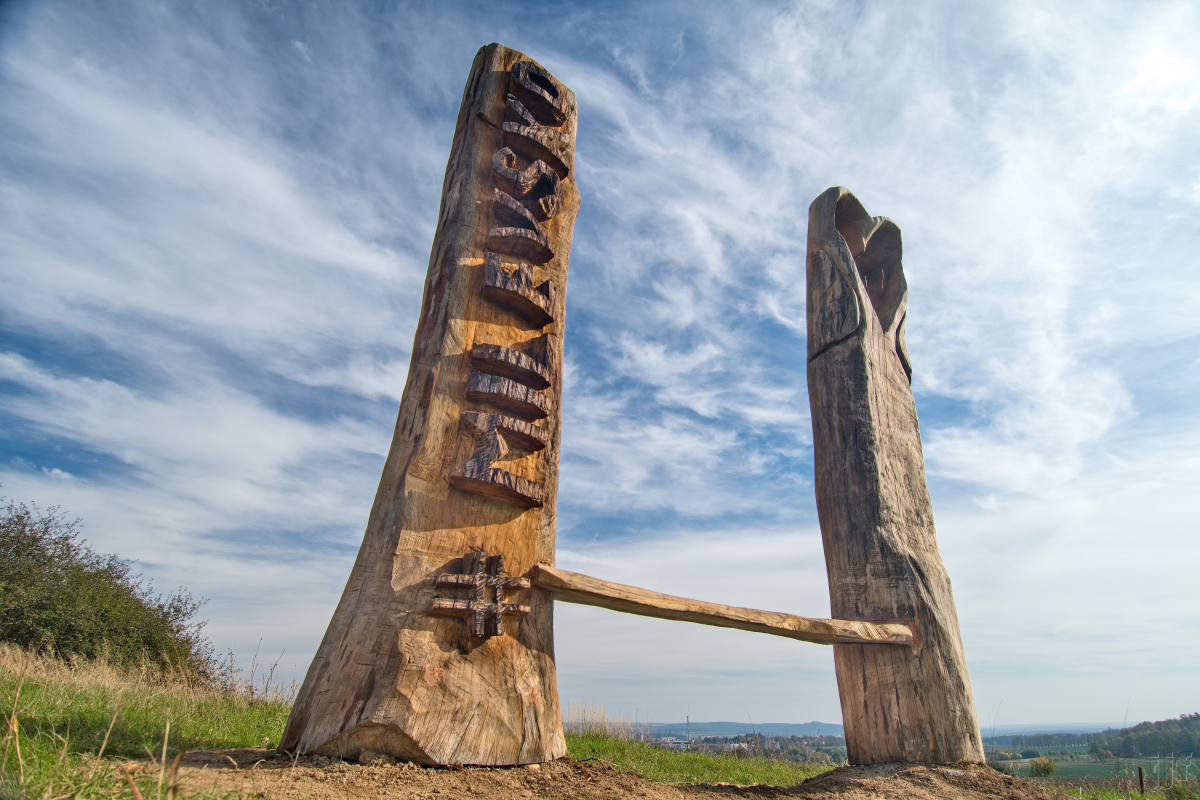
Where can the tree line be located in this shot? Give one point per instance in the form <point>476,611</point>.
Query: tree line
<point>1180,736</point>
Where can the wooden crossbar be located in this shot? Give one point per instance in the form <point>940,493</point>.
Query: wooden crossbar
<point>571,587</point>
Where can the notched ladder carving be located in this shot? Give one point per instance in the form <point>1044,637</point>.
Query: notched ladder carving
<point>528,169</point>
<point>471,469</point>
<point>485,608</point>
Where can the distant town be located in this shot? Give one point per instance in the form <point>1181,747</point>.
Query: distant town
<point>811,743</point>
<point>807,749</point>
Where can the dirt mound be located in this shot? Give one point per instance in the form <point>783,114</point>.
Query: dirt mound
<point>908,781</point>
<point>261,773</point>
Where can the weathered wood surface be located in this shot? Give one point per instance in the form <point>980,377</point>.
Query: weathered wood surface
<point>898,704</point>
<point>473,464</point>
<point>571,587</point>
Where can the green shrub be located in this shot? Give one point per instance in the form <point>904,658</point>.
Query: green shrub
<point>1004,767</point>
<point>58,594</point>
<point>1042,767</point>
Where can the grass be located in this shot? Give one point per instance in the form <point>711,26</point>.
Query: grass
<point>74,729</point>
<point>1180,791</point>
<point>673,766</point>
<point>593,733</point>
<point>69,726</point>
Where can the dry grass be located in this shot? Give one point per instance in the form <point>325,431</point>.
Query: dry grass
<point>70,724</point>
<point>582,719</point>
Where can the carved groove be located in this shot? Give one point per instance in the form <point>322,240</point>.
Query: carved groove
<point>533,141</point>
<point>517,293</point>
<point>531,245</point>
<point>534,87</point>
<point>501,485</point>
<point>511,212</point>
<point>509,363</point>
<point>504,164</point>
<point>537,183</point>
<point>492,434</point>
<point>484,616</point>
<point>508,395</point>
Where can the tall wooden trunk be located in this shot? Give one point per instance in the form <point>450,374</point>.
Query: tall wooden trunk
<point>473,466</point>
<point>898,703</point>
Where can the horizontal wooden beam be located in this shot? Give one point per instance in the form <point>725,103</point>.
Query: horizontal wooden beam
<point>571,587</point>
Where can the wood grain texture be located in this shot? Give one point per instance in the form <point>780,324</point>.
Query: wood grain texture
<point>390,676</point>
<point>898,704</point>
<point>571,587</point>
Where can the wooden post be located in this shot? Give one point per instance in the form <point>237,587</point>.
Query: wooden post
<point>410,666</point>
<point>898,704</point>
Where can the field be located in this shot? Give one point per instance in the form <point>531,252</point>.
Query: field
<point>1074,762</point>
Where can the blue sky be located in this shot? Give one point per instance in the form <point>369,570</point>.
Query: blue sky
<point>214,224</point>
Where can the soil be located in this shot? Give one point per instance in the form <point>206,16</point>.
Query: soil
<point>262,773</point>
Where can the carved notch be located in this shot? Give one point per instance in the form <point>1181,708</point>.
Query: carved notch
<point>512,364</point>
<point>875,245</point>
<point>507,394</point>
<point>537,183</point>
<point>493,434</point>
<point>534,86</point>
<point>483,575</point>
<point>535,142</point>
<point>516,292</point>
<point>518,233</point>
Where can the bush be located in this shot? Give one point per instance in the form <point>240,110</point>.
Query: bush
<point>1030,754</point>
<point>58,594</point>
<point>1042,767</point>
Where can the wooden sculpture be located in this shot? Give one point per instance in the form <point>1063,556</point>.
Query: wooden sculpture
<point>898,704</point>
<point>429,657</point>
<point>441,649</point>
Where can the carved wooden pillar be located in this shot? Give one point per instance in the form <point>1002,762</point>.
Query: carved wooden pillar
<point>898,704</point>
<point>432,656</point>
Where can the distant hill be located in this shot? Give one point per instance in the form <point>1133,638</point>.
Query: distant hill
<point>1045,728</point>
<point>742,728</point>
